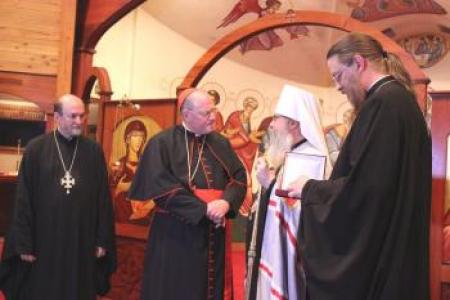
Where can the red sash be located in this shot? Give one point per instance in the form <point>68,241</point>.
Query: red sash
<point>209,195</point>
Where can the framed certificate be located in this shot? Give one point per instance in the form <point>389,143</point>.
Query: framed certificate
<point>300,164</point>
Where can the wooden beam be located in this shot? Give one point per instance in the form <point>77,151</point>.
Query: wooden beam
<point>66,45</point>
<point>316,18</point>
<point>94,18</point>
<point>36,88</point>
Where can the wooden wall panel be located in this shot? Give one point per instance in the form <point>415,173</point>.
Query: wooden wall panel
<point>36,49</point>
<point>66,46</point>
<point>39,89</point>
<point>30,35</point>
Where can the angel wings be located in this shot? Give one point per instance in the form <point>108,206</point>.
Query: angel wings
<point>241,8</point>
<point>265,40</point>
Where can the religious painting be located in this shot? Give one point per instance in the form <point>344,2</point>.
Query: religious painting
<point>268,39</point>
<point>129,139</point>
<point>426,49</point>
<point>374,10</point>
<point>218,95</point>
<point>336,133</point>
<point>128,126</point>
<point>243,135</point>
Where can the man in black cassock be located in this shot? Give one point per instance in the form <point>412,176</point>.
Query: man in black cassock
<point>364,232</point>
<point>197,182</point>
<point>60,244</point>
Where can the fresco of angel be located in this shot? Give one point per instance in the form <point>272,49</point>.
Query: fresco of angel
<point>268,39</point>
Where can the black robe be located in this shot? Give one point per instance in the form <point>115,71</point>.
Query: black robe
<point>62,230</point>
<point>185,253</point>
<point>364,232</point>
<point>260,223</point>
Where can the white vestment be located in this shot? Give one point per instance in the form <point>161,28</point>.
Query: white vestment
<point>280,274</point>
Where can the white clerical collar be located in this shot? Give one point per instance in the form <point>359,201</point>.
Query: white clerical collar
<point>377,80</point>
<point>188,129</point>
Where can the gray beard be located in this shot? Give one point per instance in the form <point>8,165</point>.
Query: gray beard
<point>76,132</point>
<point>278,145</point>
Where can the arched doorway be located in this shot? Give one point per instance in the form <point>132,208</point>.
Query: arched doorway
<point>324,19</point>
<point>104,92</point>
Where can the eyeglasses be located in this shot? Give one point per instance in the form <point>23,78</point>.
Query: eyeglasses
<point>337,76</point>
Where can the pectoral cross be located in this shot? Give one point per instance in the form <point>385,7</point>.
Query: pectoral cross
<point>67,182</point>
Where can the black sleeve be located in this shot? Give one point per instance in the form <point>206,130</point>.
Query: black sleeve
<point>105,214</point>
<point>154,180</point>
<point>20,234</point>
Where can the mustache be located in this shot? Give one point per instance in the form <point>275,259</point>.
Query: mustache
<point>277,146</point>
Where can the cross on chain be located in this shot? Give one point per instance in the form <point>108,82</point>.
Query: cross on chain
<point>67,182</point>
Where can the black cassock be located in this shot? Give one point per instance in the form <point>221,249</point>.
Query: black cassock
<point>62,230</point>
<point>185,253</point>
<point>364,232</point>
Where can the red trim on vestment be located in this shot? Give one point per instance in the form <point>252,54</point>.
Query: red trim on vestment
<point>232,179</point>
<point>266,269</point>
<point>209,195</point>
<point>169,192</point>
<point>277,294</point>
<point>285,225</point>
<point>274,292</point>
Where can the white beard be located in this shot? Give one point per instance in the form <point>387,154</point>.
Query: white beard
<point>279,144</point>
<point>76,131</point>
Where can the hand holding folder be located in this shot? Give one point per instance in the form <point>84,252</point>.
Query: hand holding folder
<point>297,169</point>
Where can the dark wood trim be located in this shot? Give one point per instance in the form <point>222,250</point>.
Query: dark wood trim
<point>8,178</point>
<point>11,150</point>
<point>97,16</point>
<point>445,273</point>
<point>105,93</point>
<point>94,18</point>
<point>39,89</point>
<point>440,129</point>
<point>436,95</point>
<point>67,19</point>
<point>425,81</point>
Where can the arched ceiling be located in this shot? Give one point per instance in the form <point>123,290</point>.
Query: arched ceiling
<point>280,52</point>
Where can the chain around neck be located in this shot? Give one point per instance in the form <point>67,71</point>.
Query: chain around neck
<point>191,176</point>
<point>61,157</point>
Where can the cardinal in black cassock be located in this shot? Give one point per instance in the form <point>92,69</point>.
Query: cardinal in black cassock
<point>182,169</point>
<point>60,225</point>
